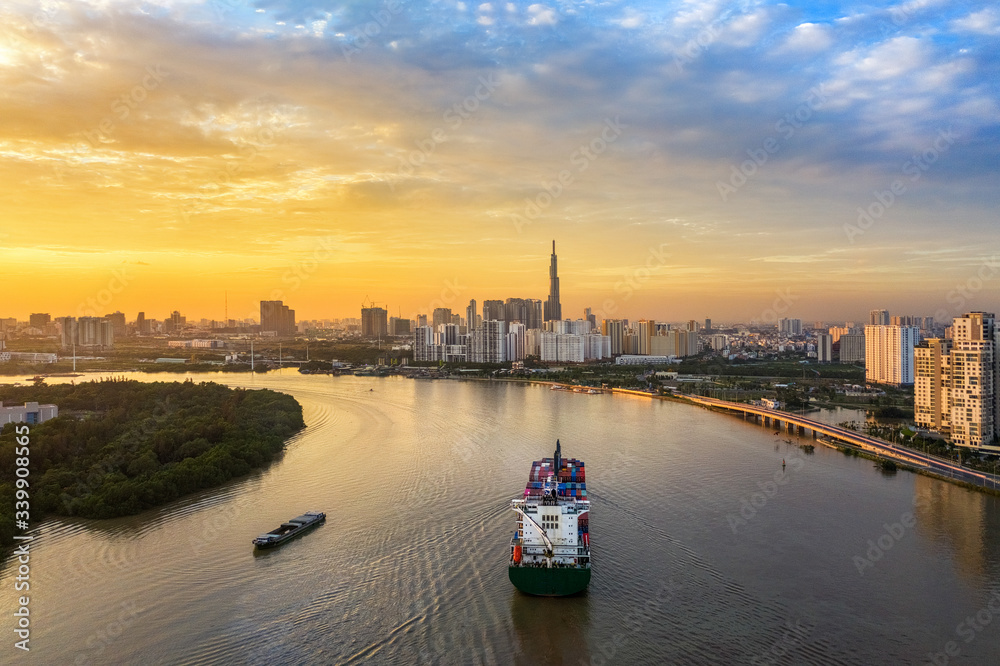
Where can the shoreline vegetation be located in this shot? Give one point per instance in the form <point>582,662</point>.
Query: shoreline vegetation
<point>120,446</point>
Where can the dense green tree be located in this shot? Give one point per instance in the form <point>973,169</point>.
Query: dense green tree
<point>120,447</point>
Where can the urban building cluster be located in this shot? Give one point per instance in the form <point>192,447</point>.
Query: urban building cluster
<point>956,382</point>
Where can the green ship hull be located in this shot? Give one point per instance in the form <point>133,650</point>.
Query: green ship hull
<point>544,582</point>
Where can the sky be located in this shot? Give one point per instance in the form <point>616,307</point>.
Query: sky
<point>732,160</point>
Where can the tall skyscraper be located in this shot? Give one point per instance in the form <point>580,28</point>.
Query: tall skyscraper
<point>889,353</point>
<point>524,310</point>
<point>553,308</point>
<point>277,317</point>
<point>472,318</point>
<point>374,322</point>
<point>493,310</point>
<point>535,320</point>
<point>440,316</point>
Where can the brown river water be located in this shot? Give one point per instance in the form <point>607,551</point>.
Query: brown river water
<point>703,551</point>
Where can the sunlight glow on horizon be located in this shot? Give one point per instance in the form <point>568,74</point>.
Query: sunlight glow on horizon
<point>207,148</point>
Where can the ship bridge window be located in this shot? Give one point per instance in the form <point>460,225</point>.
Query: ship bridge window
<point>550,521</point>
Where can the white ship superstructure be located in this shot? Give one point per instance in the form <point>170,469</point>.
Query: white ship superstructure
<point>553,527</point>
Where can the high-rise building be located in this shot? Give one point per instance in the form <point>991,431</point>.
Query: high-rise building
<point>975,374</point>
<point>117,320</point>
<point>878,318</point>
<point>276,317</point>
<point>175,322</point>
<point>399,326</point>
<point>718,342</point>
<point>565,347</point>
<point>488,343</point>
<point>493,310</point>
<point>824,348</point>
<point>852,348</point>
<point>553,308</point>
<point>424,348</point>
<point>39,320</point>
<point>374,323</point>
<point>141,324</point>
<point>837,331</point>
<point>615,330</point>
<point>889,353</point>
<point>448,334</point>
<point>87,332</point>
<point>956,389</point>
<point>708,325</point>
<point>516,341</point>
<point>790,326</point>
<point>472,318</point>
<point>67,328</point>
<point>527,311</point>
<point>440,316</point>
<point>645,330</point>
<point>535,319</point>
<point>932,383</point>
<point>421,320</point>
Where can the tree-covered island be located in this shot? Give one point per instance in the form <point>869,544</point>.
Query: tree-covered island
<point>119,447</point>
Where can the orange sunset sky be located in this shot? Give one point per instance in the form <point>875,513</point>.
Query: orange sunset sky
<point>166,153</point>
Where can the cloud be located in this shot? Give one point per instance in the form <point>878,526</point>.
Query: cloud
<point>541,15</point>
<point>809,37</point>
<point>983,22</point>
<point>261,127</point>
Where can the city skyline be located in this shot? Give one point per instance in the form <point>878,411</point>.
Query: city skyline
<point>728,156</point>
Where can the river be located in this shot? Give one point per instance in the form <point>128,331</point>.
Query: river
<point>703,552</point>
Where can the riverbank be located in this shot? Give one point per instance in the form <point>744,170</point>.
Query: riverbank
<point>139,446</point>
<point>846,447</point>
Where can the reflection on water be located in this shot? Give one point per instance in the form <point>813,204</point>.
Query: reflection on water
<point>411,565</point>
<point>551,630</point>
<point>968,522</point>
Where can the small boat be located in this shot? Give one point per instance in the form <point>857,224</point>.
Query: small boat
<point>290,530</point>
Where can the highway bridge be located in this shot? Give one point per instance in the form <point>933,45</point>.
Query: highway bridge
<point>779,420</point>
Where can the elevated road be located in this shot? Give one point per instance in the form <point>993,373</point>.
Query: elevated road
<point>778,419</point>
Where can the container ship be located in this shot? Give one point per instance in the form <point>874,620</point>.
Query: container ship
<point>290,530</point>
<point>550,551</point>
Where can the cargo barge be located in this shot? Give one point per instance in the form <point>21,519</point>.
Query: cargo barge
<point>290,530</point>
<point>550,551</point>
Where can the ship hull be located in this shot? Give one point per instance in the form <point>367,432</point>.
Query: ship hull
<point>545,582</point>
